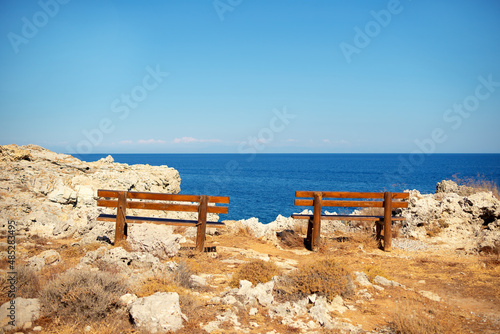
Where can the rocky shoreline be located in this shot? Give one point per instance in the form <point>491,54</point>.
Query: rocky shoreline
<point>51,196</point>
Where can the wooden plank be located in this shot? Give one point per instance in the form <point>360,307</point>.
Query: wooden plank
<point>346,217</point>
<point>161,206</point>
<point>358,204</point>
<point>202,224</point>
<point>387,221</point>
<point>347,194</point>
<point>121,217</point>
<point>159,221</point>
<point>163,196</point>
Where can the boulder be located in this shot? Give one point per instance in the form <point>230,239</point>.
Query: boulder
<point>261,293</point>
<point>46,258</point>
<point>19,310</point>
<point>154,239</point>
<point>159,313</point>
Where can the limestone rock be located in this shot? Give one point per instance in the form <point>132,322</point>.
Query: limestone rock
<point>385,282</point>
<point>362,278</point>
<point>159,313</point>
<point>262,293</point>
<point>20,310</point>
<point>154,239</point>
<point>53,194</point>
<point>430,295</point>
<point>124,261</point>
<point>46,258</point>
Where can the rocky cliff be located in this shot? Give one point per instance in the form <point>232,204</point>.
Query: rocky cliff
<point>47,193</point>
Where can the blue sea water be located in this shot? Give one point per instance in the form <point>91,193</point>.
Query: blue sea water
<point>264,185</point>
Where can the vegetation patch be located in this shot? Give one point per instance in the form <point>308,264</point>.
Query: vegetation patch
<point>255,271</point>
<point>88,295</point>
<point>325,277</point>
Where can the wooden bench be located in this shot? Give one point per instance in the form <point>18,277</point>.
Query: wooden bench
<point>318,200</point>
<point>123,200</point>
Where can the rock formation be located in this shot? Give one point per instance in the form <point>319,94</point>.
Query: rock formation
<point>52,194</point>
<point>457,216</point>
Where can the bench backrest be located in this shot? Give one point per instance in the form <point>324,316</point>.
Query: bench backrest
<point>159,201</point>
<point>350,199</point>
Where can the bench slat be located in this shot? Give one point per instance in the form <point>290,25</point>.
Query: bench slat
<point>364,204</point>
<point>344,217</point>
<point>156,220</point>
<point>163,197</point>
<point>347,194</point>
<point>161,206</point>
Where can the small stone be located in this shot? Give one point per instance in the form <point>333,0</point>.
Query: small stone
<point>253,311</point>
<point>37,329</point>
<point>88,329</point>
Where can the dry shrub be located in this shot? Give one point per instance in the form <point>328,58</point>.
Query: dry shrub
<point>152,284</point>
<point>367,239</point>
<point>374,271</point>
<point>27,284</point>
<point>110,325</point>
<point>93,246</point>
<point>125,245</point>
<point>414,317</point>
<point>432,230</point>
<point>290,239</point>
<point>326,277</point>
<point>178,281</point>
<point>84,295</point>
<point>472,185</point>
<point>182,274</point>
<point>255,271</point>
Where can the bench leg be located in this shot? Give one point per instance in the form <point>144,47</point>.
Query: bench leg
<point>378,228</point>
<point>387,221</point>
<point>202,224</point>
<point>316,230</point>
<point>120,217</point>
<point>309,237</point>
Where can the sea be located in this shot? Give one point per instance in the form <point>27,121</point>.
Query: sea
<point>264,185</point>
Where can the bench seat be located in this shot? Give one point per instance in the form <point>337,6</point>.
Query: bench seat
<point>156,220</point>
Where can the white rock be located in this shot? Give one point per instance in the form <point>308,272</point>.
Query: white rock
<point>430,295</point>
<point>19,310</point>
<point>127,299</point>
<point>154,239</point>
<point>160,312</point>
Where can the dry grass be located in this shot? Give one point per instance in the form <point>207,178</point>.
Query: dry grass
<point>255,271</point>
<point>290,239</point>
<point>27,284</point>
<point>413,316</point>
<point>367,239</point>
<point>112,324</point>
<point>478,184</point>
<point>327,277</point>
<point>82,295</point>
<point>373,271</point>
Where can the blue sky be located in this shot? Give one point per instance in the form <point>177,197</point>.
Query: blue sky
<point>246,76</point>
